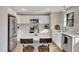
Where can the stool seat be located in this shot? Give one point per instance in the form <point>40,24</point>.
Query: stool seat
<point>28,48</point>
<point>43,48</point>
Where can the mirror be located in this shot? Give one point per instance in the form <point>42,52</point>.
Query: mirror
<point>70,19</point>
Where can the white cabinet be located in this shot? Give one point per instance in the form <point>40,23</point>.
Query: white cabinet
<point>76,40</point>
<point>57,38</point>
<point>25,19</point>
<point>18,19</point>
<point>34,17</point>
<point>75,45</point>
<point>44,19</point>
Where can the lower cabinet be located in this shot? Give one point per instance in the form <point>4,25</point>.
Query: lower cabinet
<point>76,44</point>
<point>57,38</point>
<point>76,40</point>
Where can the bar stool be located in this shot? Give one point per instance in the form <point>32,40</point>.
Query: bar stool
<point>43,48</point>
<point>28,48</point>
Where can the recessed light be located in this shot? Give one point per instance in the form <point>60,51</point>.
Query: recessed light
<point>48,9</point>
<point>10,9</point>
<point>64,8</point>
<point>23,9</point>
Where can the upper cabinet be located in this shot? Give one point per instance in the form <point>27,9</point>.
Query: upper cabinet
<point>43,19</point>
<point>25,19</point>
<point>18,19</point>
<point>34,17</point>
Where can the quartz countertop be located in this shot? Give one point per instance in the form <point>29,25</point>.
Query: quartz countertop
<point>71,34</point>
<point>68,33</point>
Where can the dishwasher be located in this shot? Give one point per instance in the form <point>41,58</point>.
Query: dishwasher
<point>67,43</point>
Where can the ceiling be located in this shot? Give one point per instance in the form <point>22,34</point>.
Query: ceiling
<point>37,9</point>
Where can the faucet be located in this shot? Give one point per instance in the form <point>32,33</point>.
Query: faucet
<point>65,29</point>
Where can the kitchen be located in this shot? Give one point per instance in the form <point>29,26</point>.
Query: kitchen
<point>44,25</point>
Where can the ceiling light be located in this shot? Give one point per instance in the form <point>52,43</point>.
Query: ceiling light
<point>10,9</point>
<point>23,9</point>
<point>48,9</point>
<point>64,8</point>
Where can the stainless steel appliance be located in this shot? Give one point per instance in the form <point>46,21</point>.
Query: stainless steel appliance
<point>12,32</point>
<point>34,27</point>
<point>67,43</point>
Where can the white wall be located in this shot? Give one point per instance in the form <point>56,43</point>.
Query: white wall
<point>61,18</point>
<point>56,19</point>
<point>3,29</point>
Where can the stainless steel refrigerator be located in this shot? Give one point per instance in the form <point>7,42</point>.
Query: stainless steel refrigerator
<point>12,32</point>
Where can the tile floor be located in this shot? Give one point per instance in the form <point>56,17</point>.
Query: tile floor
<point>52,47</point>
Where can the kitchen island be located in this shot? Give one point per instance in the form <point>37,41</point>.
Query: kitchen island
<point>57,37</point>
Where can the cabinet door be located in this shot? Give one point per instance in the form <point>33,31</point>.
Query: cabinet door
<point>57,37</point>
<point>34,17</point>
<point>44,19</point>
<point>28,19</point>
<point>25,19</point>
<point>18,19</point>
<point>76,40</point>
